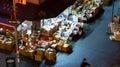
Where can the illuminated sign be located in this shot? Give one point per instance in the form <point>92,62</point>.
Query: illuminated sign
<point>21,2</point>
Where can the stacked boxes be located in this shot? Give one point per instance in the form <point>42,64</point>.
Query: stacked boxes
<point>39,56</point>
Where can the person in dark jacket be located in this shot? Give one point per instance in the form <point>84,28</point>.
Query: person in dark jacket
<point>85,63</point>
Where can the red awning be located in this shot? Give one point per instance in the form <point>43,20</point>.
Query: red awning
<point>6,26</point>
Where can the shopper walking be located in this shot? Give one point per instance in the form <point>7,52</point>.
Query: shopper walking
<point>85,63</point>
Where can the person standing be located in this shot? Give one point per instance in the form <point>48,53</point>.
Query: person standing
<point>85,63</point>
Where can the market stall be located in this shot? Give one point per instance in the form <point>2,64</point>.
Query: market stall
<point>86,10</point>
<point>54,35</point>
<point>6,37</point>
<point>114,27</point>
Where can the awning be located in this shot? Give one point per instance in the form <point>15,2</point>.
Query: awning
<point>48,9</point>
<point>5,25</point>
<point>52,8</point>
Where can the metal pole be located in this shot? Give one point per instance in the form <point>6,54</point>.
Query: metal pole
<point>14,9</point>
<point>16,39</point>
<point>112,9</point>
<point>17,49</point>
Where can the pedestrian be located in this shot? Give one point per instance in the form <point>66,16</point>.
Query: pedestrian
<point>85,63</point>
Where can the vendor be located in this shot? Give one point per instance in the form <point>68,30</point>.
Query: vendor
<point>116,19</point>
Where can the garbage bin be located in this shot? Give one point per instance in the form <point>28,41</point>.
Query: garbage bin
<point>10,62</point>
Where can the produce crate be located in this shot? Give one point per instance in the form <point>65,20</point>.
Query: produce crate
<point>50,54</point>
<point>39,57</point>
<point>30,53</point>
<point>66,48</point>
<point>23,52</point>
<point>1,46</point>
<point>8,47</point>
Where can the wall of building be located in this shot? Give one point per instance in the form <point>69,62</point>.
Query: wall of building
<point>34,1</point>
<point>38,2</point>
